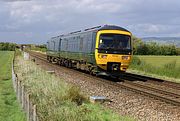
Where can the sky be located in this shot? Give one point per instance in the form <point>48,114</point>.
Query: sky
<point>36,21</point>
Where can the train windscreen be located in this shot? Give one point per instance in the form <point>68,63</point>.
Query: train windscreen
<point>114,43</point>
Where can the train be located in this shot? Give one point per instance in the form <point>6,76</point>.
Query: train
<point>101,50</point>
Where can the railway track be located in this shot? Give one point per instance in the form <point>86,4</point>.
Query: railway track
<point>163,90</point>
<point>156,81</point>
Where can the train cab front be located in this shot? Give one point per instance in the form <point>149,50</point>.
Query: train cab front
<point>113,50</point>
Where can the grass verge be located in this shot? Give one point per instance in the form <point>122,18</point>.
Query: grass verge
<point>170,69</point>
<point>58,101</point>
<point>9,107</point>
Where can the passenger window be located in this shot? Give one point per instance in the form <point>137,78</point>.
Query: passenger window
<point>81,44</point>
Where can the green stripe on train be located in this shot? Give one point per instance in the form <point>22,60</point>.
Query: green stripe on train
<point>89,57</point>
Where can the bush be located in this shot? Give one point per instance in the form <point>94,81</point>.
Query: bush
<point>41,48</point>
<point>7,46</point>
<point>135,61</point>
<point>73,94</point>
<point>153,48</point>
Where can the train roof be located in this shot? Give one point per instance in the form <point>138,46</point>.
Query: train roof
<point>96,28</point>
<point>112,27</point>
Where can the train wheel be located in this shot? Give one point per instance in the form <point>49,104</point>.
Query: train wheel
<point>66,63</point>
<point>70,64</point>
<point>59,62</point>
<point>77,65</point>
<point>50,59</point>
<point>91,71</point>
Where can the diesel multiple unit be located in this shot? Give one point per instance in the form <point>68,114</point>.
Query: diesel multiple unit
<point>100,50</point>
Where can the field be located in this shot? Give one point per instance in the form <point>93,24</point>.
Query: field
<point>9,107</point>
<point>160,61</point>
<point>165,66</point>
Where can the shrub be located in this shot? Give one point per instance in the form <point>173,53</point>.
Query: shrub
<point>170,66</point>
<point>7,46</point>
<point>73,94</point>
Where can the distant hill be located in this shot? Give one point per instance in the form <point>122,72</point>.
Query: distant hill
<point>163,40</point>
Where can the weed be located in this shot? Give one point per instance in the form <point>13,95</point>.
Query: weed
<point>170,66</point>
<point>73,94</point>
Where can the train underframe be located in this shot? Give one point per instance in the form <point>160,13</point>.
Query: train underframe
<point>88,67</point>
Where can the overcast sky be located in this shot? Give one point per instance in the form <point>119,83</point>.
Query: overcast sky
<point>35,21</point>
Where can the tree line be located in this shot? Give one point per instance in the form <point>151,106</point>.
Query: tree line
<point>139,48</point>
<point>6,46</point>
<point>153,48</point>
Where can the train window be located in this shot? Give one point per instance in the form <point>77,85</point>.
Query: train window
<point>114,41</point>
<point>66,44</point>
<point>81,44</point>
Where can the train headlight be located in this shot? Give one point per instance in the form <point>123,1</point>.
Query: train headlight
<point>125,57</point>
<point>102,56</point>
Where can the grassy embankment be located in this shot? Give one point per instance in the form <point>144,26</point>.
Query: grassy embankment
<point>9,107</point>
<point>168,66</point>
<point>58,101</point>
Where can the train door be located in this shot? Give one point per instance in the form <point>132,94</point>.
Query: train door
<point>59,49</point>
<point>54,46</point>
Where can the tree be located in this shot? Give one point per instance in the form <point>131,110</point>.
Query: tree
<point>153,48</point>
<point>136,43</point>
<point>7,46</point>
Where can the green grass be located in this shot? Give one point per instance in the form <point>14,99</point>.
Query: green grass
<point>168,66</point>
<point>58,101</point>
<point>160,61</point>
<point>9,107</point>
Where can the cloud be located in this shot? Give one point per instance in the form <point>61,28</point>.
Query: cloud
<point>44,18</point>
<point>148,28</point>
<point>14,0</point>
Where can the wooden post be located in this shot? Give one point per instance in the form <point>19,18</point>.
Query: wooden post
<point>16,84</point>
<point>28,107</point>
<point>22,97</point>
<point>34,113</point>
<point>25,100</point>
<point>17,88</point>
<point>20,91</point>
<point>30,111</point>
<point>13,76</point>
